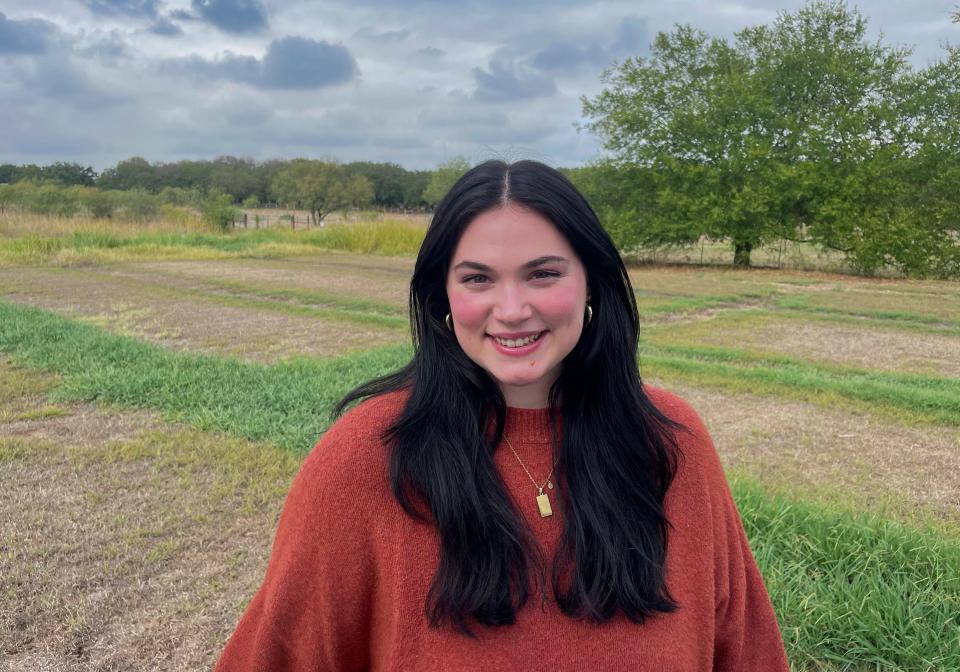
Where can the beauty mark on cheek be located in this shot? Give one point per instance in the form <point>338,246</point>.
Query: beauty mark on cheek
<point>532,362</point>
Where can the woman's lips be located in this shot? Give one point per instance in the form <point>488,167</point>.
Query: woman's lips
<point>522,350</point>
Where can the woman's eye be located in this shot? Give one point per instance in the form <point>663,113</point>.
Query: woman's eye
<point>545,274</point>
<point>474,279</point>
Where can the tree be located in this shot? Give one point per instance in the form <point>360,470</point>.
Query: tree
<point>69,174</point>
<point>443,178</point>
<point>760,139</point>
<point>135,172</point>
<point>320,187</point>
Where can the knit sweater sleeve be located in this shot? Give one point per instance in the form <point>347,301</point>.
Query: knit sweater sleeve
<point>746,633</point>
<point>313,609</point>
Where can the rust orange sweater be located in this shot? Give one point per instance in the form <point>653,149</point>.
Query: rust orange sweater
<point>347,581</point>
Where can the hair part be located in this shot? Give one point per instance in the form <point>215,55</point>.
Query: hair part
<point>615,461</point>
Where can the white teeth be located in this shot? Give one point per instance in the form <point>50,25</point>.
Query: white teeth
<point>517,343</point>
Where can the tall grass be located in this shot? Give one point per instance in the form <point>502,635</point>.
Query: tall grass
<point>852,591</point>
<point>31,239</point>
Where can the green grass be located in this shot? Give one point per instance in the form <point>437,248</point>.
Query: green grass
<point>908,397</point>
<point>803,304</point>
<point>287,404</point>
<point>855,590</point>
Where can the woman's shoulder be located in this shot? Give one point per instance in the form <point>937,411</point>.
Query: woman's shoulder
<point>352,453</point>
<point>674,407</point>
<point>697,451</point>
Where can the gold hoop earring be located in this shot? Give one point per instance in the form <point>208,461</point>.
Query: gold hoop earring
<point>589,313</point>
<point>448,320</point>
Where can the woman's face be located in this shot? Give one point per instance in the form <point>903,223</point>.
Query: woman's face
<point>517,296</point>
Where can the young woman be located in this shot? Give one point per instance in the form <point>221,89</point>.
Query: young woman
<point>514,498</point>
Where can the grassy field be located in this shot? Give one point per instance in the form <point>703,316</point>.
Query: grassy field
<point>159,388</point>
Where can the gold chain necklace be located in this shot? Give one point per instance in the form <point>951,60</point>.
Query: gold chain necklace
<point>543,501</point>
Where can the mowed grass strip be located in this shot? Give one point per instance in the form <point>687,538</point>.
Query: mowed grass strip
<point>905,397</point>
<point>305,297</point>
<point>804,304</point>
<point>660,303</point>
<point>344,309</point>
<point>286,404</point>
<point>850,590</point>
<point>855,590</point>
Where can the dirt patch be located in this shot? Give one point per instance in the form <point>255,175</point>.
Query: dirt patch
<point>659,281</point>
<point>833,454</point>
<point>385,279</point>
<point>942,306</point>
<point>885,349</point>
<point>129,544</point>
<point>172,320</point>
<point>864,347</point>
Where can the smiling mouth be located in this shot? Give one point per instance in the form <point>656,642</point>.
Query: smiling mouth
<point>518,342</point>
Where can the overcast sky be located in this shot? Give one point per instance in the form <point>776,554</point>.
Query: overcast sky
<point>415,82</point>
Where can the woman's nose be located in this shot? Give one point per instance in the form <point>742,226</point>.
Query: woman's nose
<point>511,305</point>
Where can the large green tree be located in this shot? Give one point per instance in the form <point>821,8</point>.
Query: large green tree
<point>320,187</point>
<point>798,130</point>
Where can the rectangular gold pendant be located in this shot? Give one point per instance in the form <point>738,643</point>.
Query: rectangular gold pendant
<point>544,503</point>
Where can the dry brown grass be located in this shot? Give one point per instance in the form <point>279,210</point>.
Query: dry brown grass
<point>19,225</point>
<point>127,543</point>
<point>854,459</point>
<point>148,309</point>
<point>867,346</point>
<point>385,279</point>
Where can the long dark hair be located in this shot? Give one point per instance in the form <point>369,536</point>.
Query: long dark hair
<point>615,460</point>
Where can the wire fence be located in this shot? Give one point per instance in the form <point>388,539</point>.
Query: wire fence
<point>293,221</point>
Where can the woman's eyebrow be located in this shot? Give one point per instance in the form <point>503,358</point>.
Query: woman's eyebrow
<point>539,261</point>
<point>546,259</point>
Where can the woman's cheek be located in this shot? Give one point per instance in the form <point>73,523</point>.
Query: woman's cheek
<point>469,310</point>
<point>562,305</point>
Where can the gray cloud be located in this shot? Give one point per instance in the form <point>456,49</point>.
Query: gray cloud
<point>437,118</point>
<point>565,57</point>
<point>431,52</point>
<point>182,15</point>
<point>237,17</point>
<point>165,27</point>
<point>133,8</point>
<point>569,57</point>
<point>109,49</point>
<point>386,35</point>
<point>290,63</point>
<point>56,78</point>
<point>506,81</point>
<point>633,38</point>
<point>27,36</point>
<point>301,63</point>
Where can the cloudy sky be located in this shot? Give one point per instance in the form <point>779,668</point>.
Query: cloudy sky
<point>415,82</point>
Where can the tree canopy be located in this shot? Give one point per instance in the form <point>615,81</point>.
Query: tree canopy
<point>320,187</point>
<point>803,129</point>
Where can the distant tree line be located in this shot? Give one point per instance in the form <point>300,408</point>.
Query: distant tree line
<point>245,181</point>
<point>801,130</point>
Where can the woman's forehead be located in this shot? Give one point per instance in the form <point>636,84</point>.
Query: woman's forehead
<point>510,235</point>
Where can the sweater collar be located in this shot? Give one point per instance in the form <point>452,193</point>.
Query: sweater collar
<point>528,425</point>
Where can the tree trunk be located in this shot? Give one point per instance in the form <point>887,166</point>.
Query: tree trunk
<point>741,254</point>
